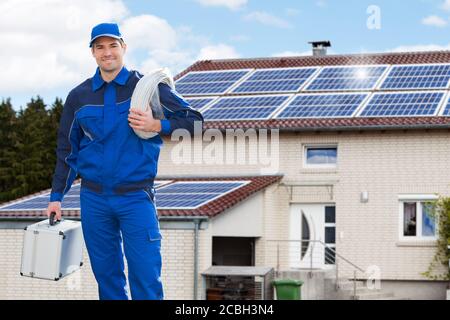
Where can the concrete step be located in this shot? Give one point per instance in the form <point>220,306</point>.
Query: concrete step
<point>394,298</point>
<point>374,296</point>
<point>360,290</point>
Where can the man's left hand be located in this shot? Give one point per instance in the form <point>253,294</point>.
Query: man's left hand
<point>143,121</point>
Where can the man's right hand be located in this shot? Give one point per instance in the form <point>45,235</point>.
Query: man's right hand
<point>54,207</point>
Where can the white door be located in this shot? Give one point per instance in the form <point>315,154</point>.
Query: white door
<point>314,225</point>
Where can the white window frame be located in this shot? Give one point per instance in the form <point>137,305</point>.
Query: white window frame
<point>418,199</point>
<point>333,225</point>
<point>318,166</point>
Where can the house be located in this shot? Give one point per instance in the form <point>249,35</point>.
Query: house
<point>330,162</point>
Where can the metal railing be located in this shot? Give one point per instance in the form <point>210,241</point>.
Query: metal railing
<point>312,255</point>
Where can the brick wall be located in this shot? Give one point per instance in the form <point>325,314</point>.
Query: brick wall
<point>177,271</point>
<point>385,164</point>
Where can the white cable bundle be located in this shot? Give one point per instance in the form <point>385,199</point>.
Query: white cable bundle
<point>146,96</point>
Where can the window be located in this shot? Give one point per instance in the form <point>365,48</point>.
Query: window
<point>417,221</point>
<point>320,157</point>
<point>330,235</point>
<point>306,236</point>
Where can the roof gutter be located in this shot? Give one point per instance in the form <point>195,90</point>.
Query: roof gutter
<point>350,128</point>
<point>216,176</point>
<point>38,218</point>
<point>25,219</point>
<point>368,128</point>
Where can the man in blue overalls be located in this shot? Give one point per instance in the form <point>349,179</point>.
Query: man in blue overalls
<point>96,140</point>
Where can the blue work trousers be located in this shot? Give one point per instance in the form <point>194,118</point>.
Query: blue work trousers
<point>107,219</point>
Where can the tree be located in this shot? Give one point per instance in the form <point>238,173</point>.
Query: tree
<point>8,139</point>
<point>54,117</point>
<point>34,139</point>
<point>441,212</point>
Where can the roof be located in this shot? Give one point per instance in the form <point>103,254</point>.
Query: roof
<point>324,124</point>
<point>328,60</point>
<point>210,209</point>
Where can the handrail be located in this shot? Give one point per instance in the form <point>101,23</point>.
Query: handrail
<point>326,246</point>
<point>340,256</point>
<point>327,255</point>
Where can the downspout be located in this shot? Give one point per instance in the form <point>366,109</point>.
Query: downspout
<point>197,223</point>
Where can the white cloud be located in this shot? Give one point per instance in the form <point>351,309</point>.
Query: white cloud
<point>267,19</point>
<point>148,32</point>
<point>230,4</point>
<point>434,21</point>
<point>47,41</point>
<point>446,5</point>
<point>46,44</point>
<point>220,51</point>
<point>176,61</point>
<point>188,36</point>
<point>421,47</point>
<point>180,56</point>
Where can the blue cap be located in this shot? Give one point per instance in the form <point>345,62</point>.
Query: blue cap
<point>105,30</point>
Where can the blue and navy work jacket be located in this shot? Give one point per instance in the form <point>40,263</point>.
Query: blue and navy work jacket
<point>96,142</point>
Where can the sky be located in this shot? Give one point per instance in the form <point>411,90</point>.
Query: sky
<point>44,43</point>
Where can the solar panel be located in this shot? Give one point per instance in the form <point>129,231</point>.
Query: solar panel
<point>346,78</point>
<point>447,108</point>
<point>239,108</point>
<point>199,103</point>
<point>71,201</point>
<point>403,104</point>
<point>206,82</point>
<point>190,195</point>
<point>186,195</point>
<point>322,105</point>
<point>275,80</point>
<point>418,77</point>
<point>41,203</point>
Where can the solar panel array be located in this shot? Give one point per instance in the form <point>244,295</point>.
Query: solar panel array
<point>253,107</point>
<point>322,106</point>
<point>199,102</point>
<point>403,104</point>
<point>190,195</point>
<point>275,80</point>
<point>346,78</point>
<point>418,77</point>
<point>208,82</point>
<point>169,195</point>
<point>447,108</point>
<point>319,92</point>
<point>71,201</point>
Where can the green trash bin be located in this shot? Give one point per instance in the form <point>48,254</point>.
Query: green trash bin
<point>288,289</point>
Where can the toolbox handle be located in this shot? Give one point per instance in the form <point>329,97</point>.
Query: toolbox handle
<point>52,220</point>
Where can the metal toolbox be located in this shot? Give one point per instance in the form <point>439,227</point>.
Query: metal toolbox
<point>52,250</point>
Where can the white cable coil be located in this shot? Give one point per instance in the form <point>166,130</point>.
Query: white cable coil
<point>146,96</point>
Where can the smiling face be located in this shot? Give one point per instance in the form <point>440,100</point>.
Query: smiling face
<point>109,52</point>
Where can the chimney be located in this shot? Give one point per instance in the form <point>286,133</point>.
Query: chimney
<point>319,48</point>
